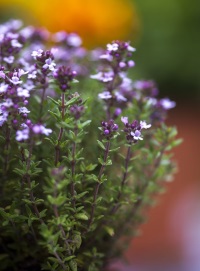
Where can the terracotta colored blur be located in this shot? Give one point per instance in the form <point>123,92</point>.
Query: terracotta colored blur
<point>171,236</point>
<point>97,22</point>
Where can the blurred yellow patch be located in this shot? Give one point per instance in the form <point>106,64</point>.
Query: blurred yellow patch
<point>96,21</point>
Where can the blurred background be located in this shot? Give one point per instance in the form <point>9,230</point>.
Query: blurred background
<point>166,35</point>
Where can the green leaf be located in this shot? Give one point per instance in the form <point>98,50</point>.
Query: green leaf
<point>78,196</point>
<point>81,216</point>
<point>67,259</point>
<point>109,162</point>
<point>2,139</point>
<point>59,200</point>
<point>28,210</point>
<point>4,214</point>
<point>101,145</point>
<point>109,230</point>
<point>73,265</point>
<point>72,101</point>
<point>53,101</point>
<point>113,150</point>
<point>77,239</point>
<point>101,161</point>
<point>57,115</point>
<point>84,124</point>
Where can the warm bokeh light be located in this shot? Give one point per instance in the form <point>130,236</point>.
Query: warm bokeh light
<point>97,22</point>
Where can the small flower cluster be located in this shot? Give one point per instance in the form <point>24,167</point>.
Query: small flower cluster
<point>68,46</point>
<point>11,44</point>
<point>109,128</point>
<point>77,109</point>
<point>116,62</point>
<point>44,60</point>
<point>133,130</point>
<point>15,97</point>
<point>148,91</point>
<point>64,77</point>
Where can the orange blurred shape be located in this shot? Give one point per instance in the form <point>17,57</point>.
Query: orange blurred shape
<point>96,21</point>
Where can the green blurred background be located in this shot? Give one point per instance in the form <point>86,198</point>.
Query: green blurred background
<point>168,48</point>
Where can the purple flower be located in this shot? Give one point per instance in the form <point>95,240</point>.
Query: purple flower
<point>64,76</point>
<point>136,135</point>
<point>103,76</point>
<point>106,57</point>
<point>16,44</point>
<point>40,129</point>
<point>133,130</point>
<point>9,59</point>
<point>23,110</point>
<point>119,97</point>
<point>112,47</point>
<point>74,40</point>
<point>2,74</point>
<point>32,74</point>
<point>122,64</point>
<point>8,103</point>
<point>167,103</point>
<point>109,128</point>
<point>131,49</point>
<point>117,112</point>
<point>27,32</point>
<point>105,95</point>
<point>22,134</point>
<point>49,64</point>
<point>77,110</point>
<point>124,120</point>
<point>3,117</point>
<point>22,92</point>
<point>21,72</point>
<point>59,36</point>
<point>15,79</point>
<point>147,87</point>
<point>37,53</point>
<point>144,125</point>
<point>131,63</point>
<point>3,88</point>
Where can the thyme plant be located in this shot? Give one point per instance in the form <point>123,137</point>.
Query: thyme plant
<point>83,149</point>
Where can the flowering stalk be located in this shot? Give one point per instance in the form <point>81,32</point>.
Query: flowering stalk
<point>57,147</point>
<point>73,166</point>
<point>28,178</point>
<point>6,150</point>
<point>96,190</point>
<point>56,213</point>
<point>123,182</point>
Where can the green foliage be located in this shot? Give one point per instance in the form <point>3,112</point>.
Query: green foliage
<point>67,199</point>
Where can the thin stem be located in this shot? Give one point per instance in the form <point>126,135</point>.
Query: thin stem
<point>27,176</point>
<point>73,167</point>
<point>56,213</point>
<point>59,260</point>
<point>6,149</point>
<point>57,147</point>
<point>122,228</point>
<point>117,204</point>
<point>96,191</point>
<point>124,178</point>
<point>36,209</point>
<point>42,102</point>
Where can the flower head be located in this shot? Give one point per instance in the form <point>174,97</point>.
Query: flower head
<point>109,128</point>
<point>64,77</point>
<point>133,130</point>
